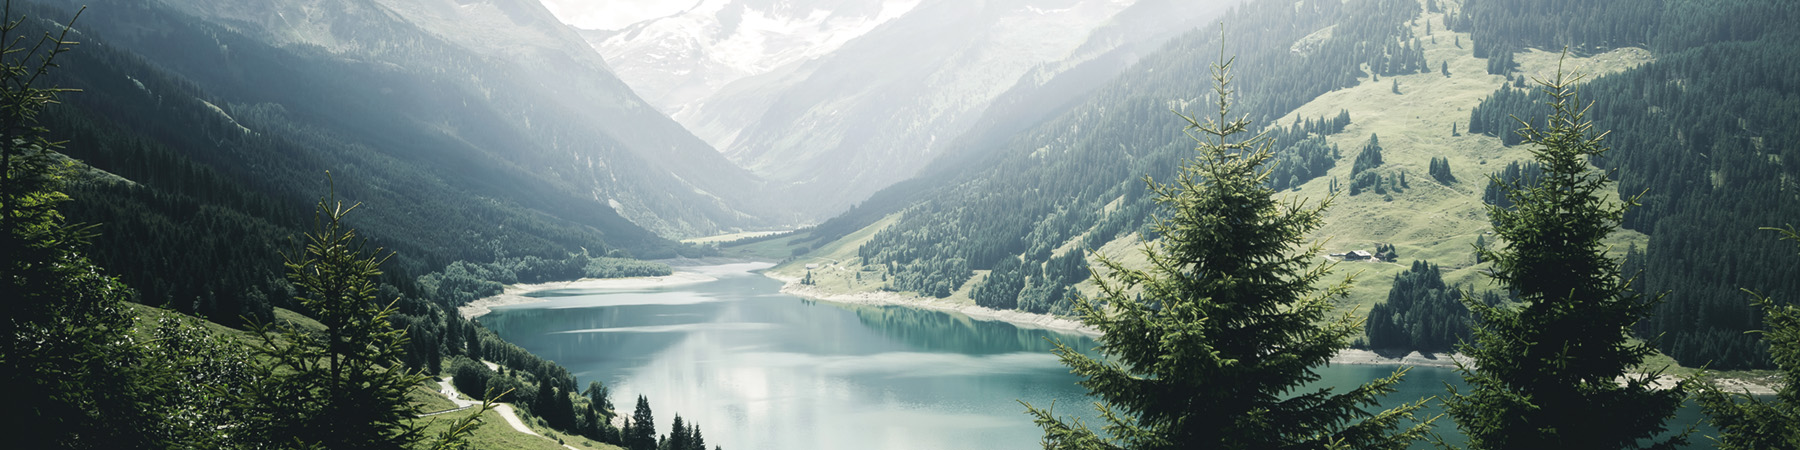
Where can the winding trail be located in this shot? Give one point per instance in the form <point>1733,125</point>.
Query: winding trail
<point>505,409</point>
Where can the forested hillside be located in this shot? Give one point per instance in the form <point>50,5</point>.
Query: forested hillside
<point>216,155</point>
<point>1704,134</point>
<point>1694,92</point>
<point>1079,175</point>
<point>389,80</point>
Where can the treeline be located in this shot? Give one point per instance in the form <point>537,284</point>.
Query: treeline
<point>1699,135</point>
<point>1500,27</point>
<point>1495,116</point>
<point>1664,26</point>
<point>1421,313</point>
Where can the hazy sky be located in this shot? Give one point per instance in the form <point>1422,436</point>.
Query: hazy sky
<point>613,14</point>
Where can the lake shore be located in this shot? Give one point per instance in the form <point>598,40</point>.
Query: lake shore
<point>514,294</point>
<point>792,286</point>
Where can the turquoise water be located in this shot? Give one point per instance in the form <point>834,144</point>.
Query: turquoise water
<point>757,369</point>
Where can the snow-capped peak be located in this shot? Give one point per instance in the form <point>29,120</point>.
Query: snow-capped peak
<point>674,60</point>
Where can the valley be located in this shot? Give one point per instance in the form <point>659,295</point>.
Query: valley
<point>900,223</point>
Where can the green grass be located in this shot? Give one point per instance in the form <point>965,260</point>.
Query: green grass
<point>1429,221</point>
<point>427,398</point>
<point>838,262</point>
<point>494,433</point>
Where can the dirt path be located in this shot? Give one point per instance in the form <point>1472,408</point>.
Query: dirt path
<point>506,411</point>
<point>448,389</point>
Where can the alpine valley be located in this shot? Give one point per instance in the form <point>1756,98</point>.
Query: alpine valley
<point>900,224</point>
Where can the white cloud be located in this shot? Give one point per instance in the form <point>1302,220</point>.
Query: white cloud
<point>612,14</point>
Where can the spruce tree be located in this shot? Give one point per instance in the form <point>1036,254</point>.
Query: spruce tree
<point>64,355</point>
<point>1552,372</point>
<point>343,386</point>
<point>640,434</point>
<point>679,438</point>
<point>1211,345</point>
<point>1745,421</point>
<point>696,439</point>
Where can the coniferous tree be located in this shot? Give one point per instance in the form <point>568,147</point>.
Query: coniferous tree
<point>1369,157</point>
<point>1440,169</point>
<point>342,387</point>
<point>640,434</point>
<point>696,439</point>
<point>678,435</point>
<point>63,351</point>
<point>1207,347</point>
<point>1421,313</point>
<point>1546,373</point>
<point>1746,422</point>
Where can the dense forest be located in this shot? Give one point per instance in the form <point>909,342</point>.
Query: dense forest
<point>1421,313</point>
<point>1698,134</point>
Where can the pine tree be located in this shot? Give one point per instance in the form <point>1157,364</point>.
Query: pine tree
<point>342,387</point>
<point>1368,158</point>
<point>1209,347</point>
<point>64,354</point>
<point>696,440</point>
<point>1440,170</point>
<point>1546,374</point>
<point>640,434</point>
<point>678,436</point>
<point>1745,421</point>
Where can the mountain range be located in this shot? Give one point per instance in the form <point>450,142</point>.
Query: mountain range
<point>832,101</point>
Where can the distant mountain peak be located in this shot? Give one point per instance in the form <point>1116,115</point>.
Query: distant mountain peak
<point>676,60</point>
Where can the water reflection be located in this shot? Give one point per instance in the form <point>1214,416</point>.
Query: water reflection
<point>938,331</point>
<point>761,370</point>
<point>758,369</point>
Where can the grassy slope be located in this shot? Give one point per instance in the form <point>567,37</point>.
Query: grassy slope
<point>1429,221</point>
<point>493,434</point>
